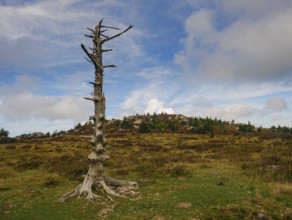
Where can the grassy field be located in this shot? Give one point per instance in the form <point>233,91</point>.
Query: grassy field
<point>181,176</point>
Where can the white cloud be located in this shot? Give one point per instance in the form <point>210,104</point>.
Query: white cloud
<point>34,20</point>
<point>157,83</point>
<point>135,101</point>
<point>276,103</point>
<point>153,73</point>
<point>35,124</point>
<point>49,33</point>
<point>230,92</point>
<point>256,49</point>
<point>23,84</point>
<point>23,110</point>
<point>230,112</point>
<point>253,9</point>
<point>25,106</point>
<point>155,106</point>
<point>276,117</point>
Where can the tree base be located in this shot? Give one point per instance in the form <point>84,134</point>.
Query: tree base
<point>122,188</point>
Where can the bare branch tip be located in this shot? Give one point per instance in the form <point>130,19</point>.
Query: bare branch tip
<point>90,30</point>
<point>90,36</point>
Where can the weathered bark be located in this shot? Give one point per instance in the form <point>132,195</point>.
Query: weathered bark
<point>95,177</point>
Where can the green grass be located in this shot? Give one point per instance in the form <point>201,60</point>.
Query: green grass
<point>182,176</point>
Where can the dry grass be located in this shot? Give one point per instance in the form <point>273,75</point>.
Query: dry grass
<point>282,189</point>
<point>166,163</point>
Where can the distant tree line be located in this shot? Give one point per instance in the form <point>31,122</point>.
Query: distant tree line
<point>166,123</point>
<point>283,129</point>
<point>206,125</point>
<point>196,125</point>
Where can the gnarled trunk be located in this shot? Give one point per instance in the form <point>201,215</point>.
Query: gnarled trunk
<point>95,177</point>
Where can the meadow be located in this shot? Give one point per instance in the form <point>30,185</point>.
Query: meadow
<point>181,175</point>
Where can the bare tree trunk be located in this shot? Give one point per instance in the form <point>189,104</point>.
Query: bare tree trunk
<point>95,177</point>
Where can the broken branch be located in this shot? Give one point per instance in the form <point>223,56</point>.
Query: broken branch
<point>104,35</point>
<point>110,27</point>
<point>106,66</point>
<point>95,83</point>
<point>94,99</point>
<point>89,55</point>
<point>88,60</point>
<point>90,30</point>
<point>106,50</point>
<point>90,36</point>
<point>117,35</point>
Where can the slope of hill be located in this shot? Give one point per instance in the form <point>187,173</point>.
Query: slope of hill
<point>222,173</point>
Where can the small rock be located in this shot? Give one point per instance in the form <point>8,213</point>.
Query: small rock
<point>259,215</point>
<point>274,167</point>
<point>33,193</point>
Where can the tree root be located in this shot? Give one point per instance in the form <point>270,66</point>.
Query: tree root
<point>123,188</point>
<point>114,182</point>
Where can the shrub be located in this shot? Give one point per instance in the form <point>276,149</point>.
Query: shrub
<point>77,126</point>
<point>180,170</point>
<point>198,130</point>
<point>173,125</point>
<point>10,147</point>
<point>126,123</point>
<point>28,146</point>
<point>117,123</point>
<point>7,140</point>
<point>144,128</point>
<point>29,163</point>
<point>3,133</point>
<point>246,127</point>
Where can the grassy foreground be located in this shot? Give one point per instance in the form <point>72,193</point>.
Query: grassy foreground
<point>182,176</point>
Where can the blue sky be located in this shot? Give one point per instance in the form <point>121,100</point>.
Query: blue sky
<point>218,58</point>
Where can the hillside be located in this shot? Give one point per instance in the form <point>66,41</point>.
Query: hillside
<point>186,168</point>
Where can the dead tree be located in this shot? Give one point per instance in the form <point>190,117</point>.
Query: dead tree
<point>95,177</point>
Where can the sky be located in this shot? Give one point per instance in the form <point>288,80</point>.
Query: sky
<point>202,58</point>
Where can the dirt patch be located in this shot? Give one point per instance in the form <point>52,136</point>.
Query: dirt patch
<point>183,205</point>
